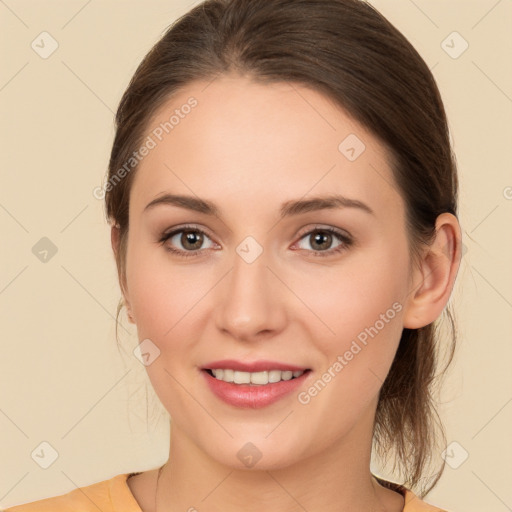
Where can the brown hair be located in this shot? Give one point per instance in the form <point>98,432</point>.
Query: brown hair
<point>348,51</point>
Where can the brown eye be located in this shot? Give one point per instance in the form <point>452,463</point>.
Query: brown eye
<point>321,240</point>
<point>191,240</point>
<point>186,241</point>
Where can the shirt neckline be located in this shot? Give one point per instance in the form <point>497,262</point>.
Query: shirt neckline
<point>123,499</point>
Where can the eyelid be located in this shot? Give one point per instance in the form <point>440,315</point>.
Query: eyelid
<point>346,239</point>
<point>185,227</point>
<point>321,227</point>
<point>169,233</point>
<point>300,234</point>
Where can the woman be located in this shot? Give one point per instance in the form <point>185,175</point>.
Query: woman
<point>283,201</point>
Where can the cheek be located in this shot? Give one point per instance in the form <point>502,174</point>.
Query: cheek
<point>163,296</point>
<point>358,308</point>
<point>161,292</point>
<point>362,306</point>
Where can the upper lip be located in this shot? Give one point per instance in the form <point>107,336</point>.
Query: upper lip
<point>252,366</point>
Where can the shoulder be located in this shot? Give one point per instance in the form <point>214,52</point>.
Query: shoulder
<point>108,496</point>
<point>414,504</point>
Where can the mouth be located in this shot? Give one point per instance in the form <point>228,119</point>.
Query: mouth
<point>253,385</point>
<point>262,378</point>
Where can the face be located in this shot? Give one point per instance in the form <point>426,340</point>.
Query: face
<point>261,282</point>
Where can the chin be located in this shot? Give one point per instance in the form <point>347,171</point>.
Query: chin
<point>254,452</point>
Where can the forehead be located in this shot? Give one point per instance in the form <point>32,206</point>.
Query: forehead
<point>233,138</point>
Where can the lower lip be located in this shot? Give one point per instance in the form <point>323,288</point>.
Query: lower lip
<point>253,396</point>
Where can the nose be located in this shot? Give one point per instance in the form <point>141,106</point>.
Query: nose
<point>251,300</point>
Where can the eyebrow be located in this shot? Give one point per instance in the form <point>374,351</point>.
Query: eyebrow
<point>288,208</point>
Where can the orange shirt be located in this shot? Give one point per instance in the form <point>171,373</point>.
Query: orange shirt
<point>114,495</point>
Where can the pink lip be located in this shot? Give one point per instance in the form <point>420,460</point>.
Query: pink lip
<point>251,396</point>
<point>255,366</point>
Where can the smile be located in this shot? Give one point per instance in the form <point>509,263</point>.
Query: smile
<point>253,385</point>
<point>255,378</point>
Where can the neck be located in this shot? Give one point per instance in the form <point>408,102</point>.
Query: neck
<point>336,479</point>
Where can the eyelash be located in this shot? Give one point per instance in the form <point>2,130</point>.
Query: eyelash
<point>347,241</point>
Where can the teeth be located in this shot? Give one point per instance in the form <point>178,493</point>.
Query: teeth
<point>274,375</point>
<point>242,378</point>
<point>226,375</point>
<point>257,378</point>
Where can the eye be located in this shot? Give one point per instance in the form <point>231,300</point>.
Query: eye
<point>190,238</point>
<point>322,238</point>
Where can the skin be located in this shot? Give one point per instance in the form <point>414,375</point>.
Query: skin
<point>248,148</point>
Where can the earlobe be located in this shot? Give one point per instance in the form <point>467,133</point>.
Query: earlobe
<point>129,314</point>
<point>435,277</point>
<point>115,237</point>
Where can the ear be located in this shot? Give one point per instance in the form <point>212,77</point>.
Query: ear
<point>434,279</point>
<point>115,239</point>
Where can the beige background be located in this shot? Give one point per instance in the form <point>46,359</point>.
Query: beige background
<point>62,379</point>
